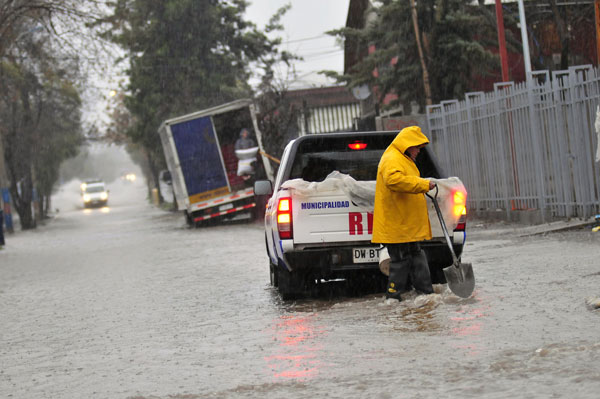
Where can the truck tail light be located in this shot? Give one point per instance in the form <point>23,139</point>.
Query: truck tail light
<point>357,145</point>
<point>459,199</point>
<point>284,218</point>
<point>462,223</point>
<point>460,203</point>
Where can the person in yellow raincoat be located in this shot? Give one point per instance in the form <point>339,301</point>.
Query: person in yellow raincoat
<point>400,218</point>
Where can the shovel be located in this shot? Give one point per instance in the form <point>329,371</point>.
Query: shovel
<point>458,275</point>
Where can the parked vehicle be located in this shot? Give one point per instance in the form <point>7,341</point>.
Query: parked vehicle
<point>94,193</point>
<point>203,166</point>
<point>318,220</point>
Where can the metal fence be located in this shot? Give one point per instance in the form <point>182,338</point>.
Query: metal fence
<point>327,119</point>
<point>525,147</point>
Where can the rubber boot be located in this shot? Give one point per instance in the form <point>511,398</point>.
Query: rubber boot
<point>419,273</point>
<point>398,279</point>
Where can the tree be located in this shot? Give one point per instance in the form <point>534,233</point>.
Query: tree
<point>455,40</point>
<point>566,29</point>
<point>44,47</point>
<point>60,135</point>
<point>64,21</point>
<point>184,55</point>
<point>278,116</point>
<point>121,120</point>
<point>39,120</point>
<point>424,71</point>
<point>553,29</point>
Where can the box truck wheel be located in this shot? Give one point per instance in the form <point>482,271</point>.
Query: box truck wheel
<point>188,219</point>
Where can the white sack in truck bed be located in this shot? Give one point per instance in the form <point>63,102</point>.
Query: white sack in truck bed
<point>245,158</point>
<point>362,194</point>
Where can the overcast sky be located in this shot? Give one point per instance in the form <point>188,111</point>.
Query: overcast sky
<point>305,26</point>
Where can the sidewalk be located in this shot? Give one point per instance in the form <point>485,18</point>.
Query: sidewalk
<point>486,229</point>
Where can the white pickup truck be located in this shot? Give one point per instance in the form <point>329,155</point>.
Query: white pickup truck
<point>319,220</point>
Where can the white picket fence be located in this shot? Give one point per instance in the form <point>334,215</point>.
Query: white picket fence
<point>525,146</point>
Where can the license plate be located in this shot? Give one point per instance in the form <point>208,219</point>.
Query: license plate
<point>365,255</point>
<point>226,207</point>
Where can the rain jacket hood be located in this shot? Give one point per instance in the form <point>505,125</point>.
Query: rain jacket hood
<point>400,212</point>
<point>411,136</point>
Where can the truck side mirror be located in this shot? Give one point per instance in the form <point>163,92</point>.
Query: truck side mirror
<point>263,187</point>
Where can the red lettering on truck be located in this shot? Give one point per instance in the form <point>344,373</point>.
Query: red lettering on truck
<point>355,223</point>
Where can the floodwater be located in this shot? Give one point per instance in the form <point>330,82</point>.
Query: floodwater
<point>127,302</point>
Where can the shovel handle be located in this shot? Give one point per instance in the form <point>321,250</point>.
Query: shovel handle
<point>443,224</point>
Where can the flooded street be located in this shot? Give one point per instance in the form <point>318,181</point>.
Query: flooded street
<point>127,302</point>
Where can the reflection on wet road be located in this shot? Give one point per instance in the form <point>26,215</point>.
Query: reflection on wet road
<point>297,348</point>
<point>104,209</point>
<point>128,302</point>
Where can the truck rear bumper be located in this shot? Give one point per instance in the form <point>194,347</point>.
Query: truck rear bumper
<point>332,261</point>
<point>216,214</point>
<point>224,209</point>
<point>327,259</point>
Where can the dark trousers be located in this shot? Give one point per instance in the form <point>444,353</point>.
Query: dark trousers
<point>408,265</point>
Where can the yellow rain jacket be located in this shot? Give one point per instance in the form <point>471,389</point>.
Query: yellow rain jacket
<point>400,213</point>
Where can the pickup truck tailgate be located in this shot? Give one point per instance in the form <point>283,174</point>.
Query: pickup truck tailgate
<point>332,217</point>
<point>329,218</point>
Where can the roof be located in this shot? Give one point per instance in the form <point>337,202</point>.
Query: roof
<point>219,109</point>
<point>94,184</point>
<point>321,96</point>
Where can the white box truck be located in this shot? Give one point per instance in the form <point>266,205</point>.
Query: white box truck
<point>200,153</point>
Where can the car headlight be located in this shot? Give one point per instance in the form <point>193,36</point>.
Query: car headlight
<point>86,198</point>
<point>104,196</point>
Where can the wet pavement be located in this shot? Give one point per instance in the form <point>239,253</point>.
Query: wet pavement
<point>127,302</point>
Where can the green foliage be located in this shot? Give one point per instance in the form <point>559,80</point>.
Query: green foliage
<point>185,55</point>
<point>40,122</point>
<point>278,118</point>
<point>60,132</point>
<point>453,34</point>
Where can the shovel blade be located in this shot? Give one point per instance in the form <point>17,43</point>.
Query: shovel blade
<point>460,278</point>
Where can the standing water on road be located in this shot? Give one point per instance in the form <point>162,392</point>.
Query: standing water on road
<point>127,302</point>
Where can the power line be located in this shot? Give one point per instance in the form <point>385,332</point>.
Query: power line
<point>306,39</point>
<point>321,53</point>
<point>321,48</point>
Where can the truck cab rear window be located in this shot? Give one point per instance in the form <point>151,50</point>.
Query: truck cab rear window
<point>315,158</point>
<point>315,166</point>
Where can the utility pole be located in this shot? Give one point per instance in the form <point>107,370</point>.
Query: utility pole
<point>502,40</point>
<point>533,123</point>
<point>426,83</point>
<point>525,40</point>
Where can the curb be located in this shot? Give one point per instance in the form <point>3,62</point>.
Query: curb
<point>535,230</point>
<point>557,227</point>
